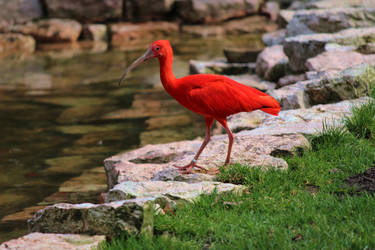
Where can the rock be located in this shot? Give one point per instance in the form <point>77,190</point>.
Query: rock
<point>330,20</point>
<point>337,60</point>
<point>123,33</point>
<point>304,121</point>
<point>347,84</point>
<point>253,81</point>
<point>272,63</point>
<point>40,241</point>
<point>368,48</point>
<point>302,47</point>
<point>173,174</point>
<point>271,9</point>
<point>147,10</point>
<point>220,67</point>
<point>203,30</point>
<point>144,163</point>
<point>238,55</point>
<point>290,79</point>
<point>249,25</point>
<point>85,11</point>
<point>174,190</point>
<point>274,38</point>
<point>245,121</point>
<point>11,44</point>
<point>331,4</point>
<point>95,32</point>
<point>292,96</point>
<point>285,16</point>
<point>105,219</point>
<point>214,11</point>
<point>21,11</point>
<point>51,30</point>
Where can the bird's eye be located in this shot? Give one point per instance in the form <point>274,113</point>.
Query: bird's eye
<point>157,48</point>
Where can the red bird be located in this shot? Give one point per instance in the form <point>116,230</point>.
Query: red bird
<point>215,97</point>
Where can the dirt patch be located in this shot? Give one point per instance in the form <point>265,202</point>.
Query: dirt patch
<point>364,182</point>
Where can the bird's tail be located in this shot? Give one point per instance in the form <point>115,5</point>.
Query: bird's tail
<point>270,105</point>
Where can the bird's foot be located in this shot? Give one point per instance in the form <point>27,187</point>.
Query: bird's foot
<point>189,167</point>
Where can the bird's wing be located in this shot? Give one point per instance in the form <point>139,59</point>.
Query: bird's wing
<point>221,96</point>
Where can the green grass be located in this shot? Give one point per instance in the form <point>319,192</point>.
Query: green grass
<point>362,122</point>
<point>306,207</point>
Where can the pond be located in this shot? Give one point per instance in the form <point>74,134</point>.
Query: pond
<point>62,113</point>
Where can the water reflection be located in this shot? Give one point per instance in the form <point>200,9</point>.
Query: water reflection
<point>62,113</point>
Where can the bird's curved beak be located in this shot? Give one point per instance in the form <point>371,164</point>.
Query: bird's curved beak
<point>149,54</point>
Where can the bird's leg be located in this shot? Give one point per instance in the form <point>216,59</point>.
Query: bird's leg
<point>230,137</point>
<point>187,169</point>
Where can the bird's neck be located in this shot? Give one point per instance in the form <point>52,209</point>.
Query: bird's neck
<point>166,73</point>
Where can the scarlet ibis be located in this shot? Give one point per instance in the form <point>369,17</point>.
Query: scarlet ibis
<point>215,97</point>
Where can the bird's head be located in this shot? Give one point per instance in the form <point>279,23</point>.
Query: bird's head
<point>158,49</point>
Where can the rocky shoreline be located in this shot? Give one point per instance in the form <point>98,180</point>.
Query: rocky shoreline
<point>27,26</point>
<point>319,66</point>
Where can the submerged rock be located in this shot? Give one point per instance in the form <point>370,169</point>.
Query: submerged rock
<point>302,47</point>
<point>11,44</point>
<point>174,190</point>
<point>40,241</point>
<point>144,163</point>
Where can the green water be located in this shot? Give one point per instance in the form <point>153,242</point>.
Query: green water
<point>62,114</point>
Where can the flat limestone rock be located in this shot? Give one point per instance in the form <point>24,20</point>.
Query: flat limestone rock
<point>330,20</point>
<point>102,219</point>
<point>330,88</point>
<point>174,190</point>
<point>145,163</point>
<point>302,47</point>
<point>337,60</point>
<point>40,241</point>
<point>304,121</point>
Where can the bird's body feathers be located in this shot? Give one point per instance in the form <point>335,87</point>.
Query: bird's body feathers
<point>219,96</point>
